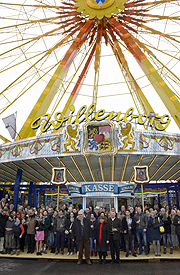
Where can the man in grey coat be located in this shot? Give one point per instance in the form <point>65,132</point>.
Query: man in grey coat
<point>59,227</point>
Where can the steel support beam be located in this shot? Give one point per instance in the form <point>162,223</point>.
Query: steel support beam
<point>16,188</point>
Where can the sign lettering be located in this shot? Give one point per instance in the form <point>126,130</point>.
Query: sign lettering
<point>44,122</point>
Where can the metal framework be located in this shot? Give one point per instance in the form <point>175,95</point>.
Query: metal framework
<point>85,30</point>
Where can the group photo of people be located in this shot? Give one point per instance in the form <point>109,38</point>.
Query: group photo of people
<point>89,233</point>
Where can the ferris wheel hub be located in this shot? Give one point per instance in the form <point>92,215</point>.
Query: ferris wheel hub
<point>100,8</point>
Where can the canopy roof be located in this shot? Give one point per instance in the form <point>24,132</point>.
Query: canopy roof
<point>36,157</point>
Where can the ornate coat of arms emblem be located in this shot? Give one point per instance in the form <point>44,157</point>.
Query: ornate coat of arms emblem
<point>99,138</point>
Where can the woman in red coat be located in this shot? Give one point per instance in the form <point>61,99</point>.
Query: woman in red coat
<point>102,239</point>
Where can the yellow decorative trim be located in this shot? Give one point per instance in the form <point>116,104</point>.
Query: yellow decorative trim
<point>93,9</point>
<point>127,137</point>
<point>71,138</point>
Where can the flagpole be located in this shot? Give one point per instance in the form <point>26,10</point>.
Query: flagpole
<point>142,192</point>
<point>8,125</point>
<point>58,199</point>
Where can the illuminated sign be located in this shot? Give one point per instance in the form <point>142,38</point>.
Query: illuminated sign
<point>44,122</point>
<point>101,189</point>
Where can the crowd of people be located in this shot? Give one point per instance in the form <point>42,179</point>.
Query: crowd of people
<point>94,230</point>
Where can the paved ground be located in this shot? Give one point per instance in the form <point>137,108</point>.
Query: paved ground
<point>52,256</point>
<point>35,267</point>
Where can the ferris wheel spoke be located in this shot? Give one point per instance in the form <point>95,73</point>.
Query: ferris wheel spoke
<point>77,85</point>
<point>145,47</point>
<point>31,6</point>
<point>73,96</point>
<point>130,80</point>
<point>51,89</point>
<point>40,44</point>
<point>155,79</point>
<point>153,31</point>
<point>20,76</point>
<point>49,51</point>
<point>97,63</point>
<point>9,66</point>
<point>143,3</point>
<point>26,90</point>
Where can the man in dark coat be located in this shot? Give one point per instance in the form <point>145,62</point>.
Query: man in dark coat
<point>129,230</point>
<point>164,216</point>
<point>154,224</point>
<point>177,225</point>
<point>81,231</point>
<point>115,229</point>
<point>3,220</point>
<point>141,230</point>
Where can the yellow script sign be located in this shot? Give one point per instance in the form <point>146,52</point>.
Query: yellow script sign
<point>85,114</point>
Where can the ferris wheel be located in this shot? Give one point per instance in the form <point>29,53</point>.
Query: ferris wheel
<point>113,53</point>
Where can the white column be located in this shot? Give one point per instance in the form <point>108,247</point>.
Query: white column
<point>84,203</point>
<point>116,204</point>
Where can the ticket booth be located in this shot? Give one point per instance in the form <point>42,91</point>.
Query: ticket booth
<point>102,194</point>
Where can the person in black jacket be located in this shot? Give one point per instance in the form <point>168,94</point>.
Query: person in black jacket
<point>18,231</point>
<point>102,239</point>
<point>129,230</point>
<point>115,229</point>
<point>93,227</point>
<point>39,236</point>
<point>70,222</point>
<point>9,234</point>
<point>154,224</point>
<point>141,230</point>
<point>164,216</point>
<point>81,231</point>
<point>23,239</point>
<point>3,220</point>
<point>177,225</point>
